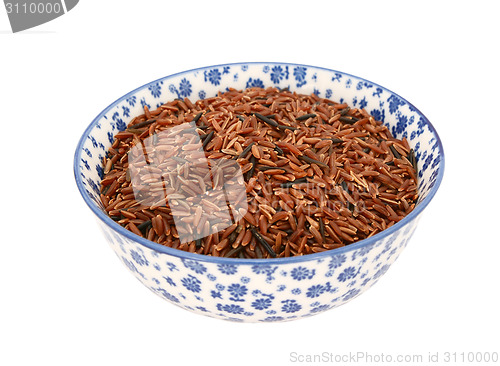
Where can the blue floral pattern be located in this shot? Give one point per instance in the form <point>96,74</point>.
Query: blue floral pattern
<point>302,273</point>
<point>265,290</point>
<point>299,73</point>
<point>155,89</point>
<point>213,76</point>
<point>254,83</point>
<point>278,73</point>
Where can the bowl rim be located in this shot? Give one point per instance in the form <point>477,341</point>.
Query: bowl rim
<point>239,261</point>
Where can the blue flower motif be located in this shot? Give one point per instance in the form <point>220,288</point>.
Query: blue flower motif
<point>302,273</point>
<point>363,251</point>
<point>400,125</point>
<point>185,88</point>
<point>230,308</point>
<point>172,89</point>
<point>169,281</point>
<point>273,319</point>
<point>85,164</point>
<point>362,103</point>
<point>228,269</point>
<point>299,73</point>
<point>349,273</point>
<point>336,261</point>
<point>139,258</point>
<point>155,89</point>
<point>144,104</point>
<point>100,171</point>
<point>237,291</point>
<point>194,265</point>
<point>225,70</point>
<point>350,294</point>
<point>320,308</point>
<point>255,83</point>
<point>265,69</point>
<point>359,85</point>
<point>93,185</point>
<point>394,103</point>
<point>263,269</point>
<point>126,111</point>
<point>191,283</point>
<point>244,67</point>
<point>88,152</point>
<point>166,295</point>
<point>281,288</point>
<point>202,94</point>
<point>220,287</point>
<point>337,77</point>
<point>211,277</point>
<point>377,92</point>
<point>316,92</point>
<point>110,137</point>
<point>365,281</point>
<point>213,76</point>
<point>381,271</point>
<point>120,125</point>
<point>171,266</point>
<point>296,291</point>
<point>428,161</point>
<point>348,83</point>
<point>244,279</point>
<point>378,114</point>
<point>290,306</point>
<point>436,161</point>
<point>129,264</point>
<point>131,100</point>
<point>421,125</point>
<point>201,308</point>
<point>315,291</point>
<point>262,304</point>
<point>277,74</point>
<point>157,267</point>
<point>216,294</point>
<point>328,93</point>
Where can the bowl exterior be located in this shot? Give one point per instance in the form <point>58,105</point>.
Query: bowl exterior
<point>260,290</point>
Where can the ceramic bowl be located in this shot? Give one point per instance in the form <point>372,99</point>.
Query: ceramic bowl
<point>260,290</point>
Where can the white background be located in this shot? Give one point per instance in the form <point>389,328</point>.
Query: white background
<point>64,297</point>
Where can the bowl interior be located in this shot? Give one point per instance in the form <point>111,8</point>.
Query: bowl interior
<point>403,119</point>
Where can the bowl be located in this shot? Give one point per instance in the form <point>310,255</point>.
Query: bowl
<point>261,290</point>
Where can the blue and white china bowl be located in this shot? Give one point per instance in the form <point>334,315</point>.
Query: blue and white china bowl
<point>260,290</point>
